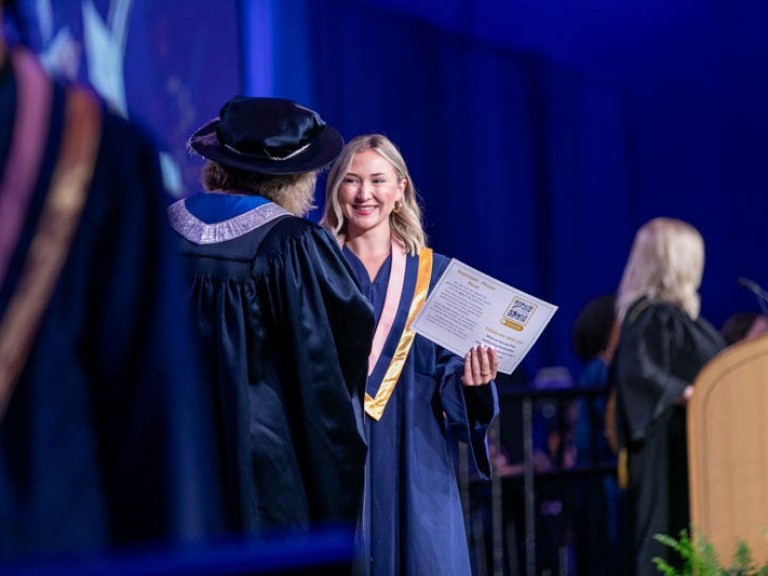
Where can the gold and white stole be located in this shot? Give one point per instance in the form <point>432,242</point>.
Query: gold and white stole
<point>64,202</point>
<point>374,406</point>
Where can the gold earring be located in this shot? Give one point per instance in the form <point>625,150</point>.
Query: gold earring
<point>396,208</point>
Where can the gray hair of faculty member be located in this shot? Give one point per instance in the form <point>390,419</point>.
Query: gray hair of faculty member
<point>294,192</point>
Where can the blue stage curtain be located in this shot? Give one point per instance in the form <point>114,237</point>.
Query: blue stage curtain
<point>176,71</point>
<point>522,164</point>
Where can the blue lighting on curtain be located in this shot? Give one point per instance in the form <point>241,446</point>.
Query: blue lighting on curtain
<point>257,40</point>
<point>276,40</point>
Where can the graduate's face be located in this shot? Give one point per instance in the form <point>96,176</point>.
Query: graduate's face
<point>368,192</point>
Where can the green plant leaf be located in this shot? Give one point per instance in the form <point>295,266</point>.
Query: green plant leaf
<point>700,559</point>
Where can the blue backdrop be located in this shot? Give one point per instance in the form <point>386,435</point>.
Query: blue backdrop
<point>165,64</point>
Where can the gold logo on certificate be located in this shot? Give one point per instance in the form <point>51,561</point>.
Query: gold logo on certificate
<point>518,313</point>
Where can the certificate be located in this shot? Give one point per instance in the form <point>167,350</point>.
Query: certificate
<point>467,307</point>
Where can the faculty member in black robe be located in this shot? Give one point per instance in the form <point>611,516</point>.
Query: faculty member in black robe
<point>286,331</point>
<point>663,345</point>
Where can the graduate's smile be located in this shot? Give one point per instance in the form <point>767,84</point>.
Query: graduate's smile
<point>365,210</point>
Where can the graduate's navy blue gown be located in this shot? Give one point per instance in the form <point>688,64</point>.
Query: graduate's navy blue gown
<point>413,522</point>
<point>286,334</point>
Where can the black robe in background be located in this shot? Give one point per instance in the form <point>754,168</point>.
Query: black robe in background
<point>286,336</point>
<point>661,351</point>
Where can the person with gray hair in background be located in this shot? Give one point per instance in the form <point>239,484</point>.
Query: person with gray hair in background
<point>663,344</point>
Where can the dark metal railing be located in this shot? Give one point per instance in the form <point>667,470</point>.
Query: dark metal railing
<point>523,410</point>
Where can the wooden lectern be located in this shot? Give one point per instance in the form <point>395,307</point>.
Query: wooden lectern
<point>728,450</point>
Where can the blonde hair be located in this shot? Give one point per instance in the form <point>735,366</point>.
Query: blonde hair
<point>406,224</point>
<point>666,263</point>
<point>294,192</point>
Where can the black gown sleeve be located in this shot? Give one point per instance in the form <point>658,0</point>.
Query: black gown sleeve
<point>324,328</point>
<point>644,366</point>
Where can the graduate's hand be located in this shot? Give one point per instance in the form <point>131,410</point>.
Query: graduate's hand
<point>480,365</point>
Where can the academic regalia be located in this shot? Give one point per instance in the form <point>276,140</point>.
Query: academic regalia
<point>413,520</point>
<point>661,351</point>
<point>286,334</point>
<point>103,440</point>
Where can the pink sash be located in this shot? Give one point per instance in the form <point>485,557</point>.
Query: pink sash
<point>61,212</point>
<point>374,406</point>
<point>27,144</point>
<point>391,304</point>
